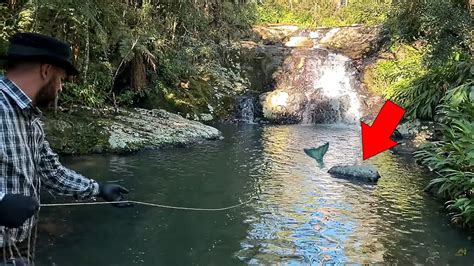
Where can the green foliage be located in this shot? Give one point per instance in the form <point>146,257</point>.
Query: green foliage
<point>87,95</point>
<point>276,13</point>
<point>423,95</point>
<point>453,157</point>
<point>409,83</point>
<point>201,88</point>
<point>405,65</point>
<point>123,47</point>
<point>444,24</point>
<point>314,13</point>
<point>366,12</point>
<point>435,80</point>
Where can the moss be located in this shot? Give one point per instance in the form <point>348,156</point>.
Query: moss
<point>196,96</point>
<point>77,133</point>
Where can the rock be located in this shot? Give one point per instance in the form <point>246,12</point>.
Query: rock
<point>370,105</point>
<point>365,173</point>
<point>207,117</point>
<point>258,62</point>
<point>100,131</point>
<point>275,33</point>
<point>409,129</point>
<point>420,132</point>
<point>298,41</point>
<point>404,147</point>
<point>355,42</point>
<point>396,135</point>
<point>244,109</point>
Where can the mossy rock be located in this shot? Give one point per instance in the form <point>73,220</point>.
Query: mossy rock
<point>85,130</point>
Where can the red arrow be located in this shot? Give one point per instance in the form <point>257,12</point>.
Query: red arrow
<point>376,138</point>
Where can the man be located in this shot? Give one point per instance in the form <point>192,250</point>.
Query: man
<point>36,65</point>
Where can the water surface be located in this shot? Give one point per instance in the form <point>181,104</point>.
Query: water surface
<point>301,215</point>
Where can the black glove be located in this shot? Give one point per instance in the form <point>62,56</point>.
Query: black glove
<point>113,192</point>
<point>15,209</point>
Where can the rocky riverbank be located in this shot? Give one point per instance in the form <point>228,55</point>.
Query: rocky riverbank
<point>84,130</point>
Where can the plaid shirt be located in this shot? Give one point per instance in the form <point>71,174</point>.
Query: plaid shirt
<point>26,159</point>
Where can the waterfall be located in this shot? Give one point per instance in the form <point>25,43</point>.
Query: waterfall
<point>335,84</point>
<point>245,109</point>
<point>313,85</point>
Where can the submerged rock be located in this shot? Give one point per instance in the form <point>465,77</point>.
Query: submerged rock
<point>420,132</point>
<point>365,173</point>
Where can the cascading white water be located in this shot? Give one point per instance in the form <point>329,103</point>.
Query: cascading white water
<point>245,109</point>
<point>311,86</point>
<point>335,81</point>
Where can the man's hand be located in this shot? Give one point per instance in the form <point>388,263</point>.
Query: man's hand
<point>113,192</point>
<point>15,209</point>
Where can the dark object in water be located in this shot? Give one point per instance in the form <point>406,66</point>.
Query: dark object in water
<point>317,153</point>
<point>366,173</point>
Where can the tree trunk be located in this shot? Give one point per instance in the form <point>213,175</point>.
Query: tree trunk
<point>138,75</point>
<point>12,4</point>
<point>87,55</point>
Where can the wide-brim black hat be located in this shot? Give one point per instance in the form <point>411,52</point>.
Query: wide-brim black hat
<point>34,47</point>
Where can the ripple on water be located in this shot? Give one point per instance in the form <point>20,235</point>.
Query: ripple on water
<point>302,215</point>
<point>322,219</point>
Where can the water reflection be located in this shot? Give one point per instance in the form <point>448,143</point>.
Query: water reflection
<point>302,215</point>
<point>307,216</point>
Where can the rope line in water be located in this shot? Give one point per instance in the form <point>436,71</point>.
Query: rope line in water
<point>148,204</point>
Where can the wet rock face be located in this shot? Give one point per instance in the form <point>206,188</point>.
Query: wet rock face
<point>313,86</point>
<point>245,109</point>
<point>355,42</point>
<point>283,106</point>
<point>274,33</point>
<point>259,62</point>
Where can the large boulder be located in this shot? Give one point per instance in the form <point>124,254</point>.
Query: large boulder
<point>84,130</point>
<point>366,173</point>
<point>276,33</point>
<point>299,41</point>
<point>355,42</point>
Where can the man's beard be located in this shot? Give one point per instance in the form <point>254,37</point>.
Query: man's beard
<point>46,96</point>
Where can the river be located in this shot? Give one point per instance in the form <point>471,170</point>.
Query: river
<point>300,214</point>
